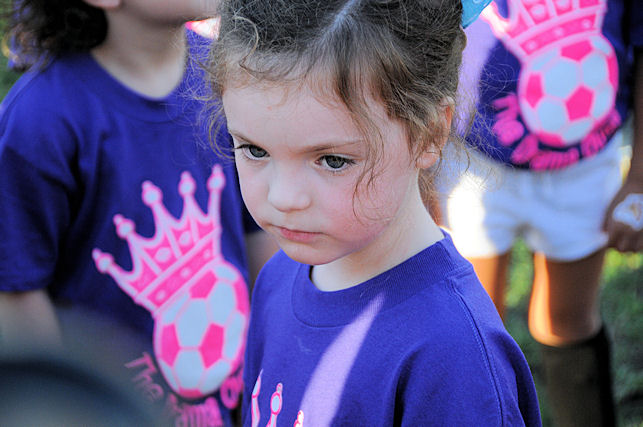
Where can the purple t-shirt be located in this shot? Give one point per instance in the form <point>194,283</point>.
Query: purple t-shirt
<point>418,345</point>
<point>551,80</point>
<point>116,204</point>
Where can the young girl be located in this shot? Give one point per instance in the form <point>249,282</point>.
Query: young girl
<point>369,316</point>
<point>112,203</point>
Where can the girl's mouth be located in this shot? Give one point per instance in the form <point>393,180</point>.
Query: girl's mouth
<point>296,235</point>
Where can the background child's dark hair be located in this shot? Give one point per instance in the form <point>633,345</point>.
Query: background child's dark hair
<point>39,30</point>
<point>403,53</point>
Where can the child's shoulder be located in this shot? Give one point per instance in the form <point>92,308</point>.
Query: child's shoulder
<point>44,90</point>
<point>49,107</point>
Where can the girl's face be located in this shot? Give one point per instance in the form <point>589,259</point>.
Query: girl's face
<point>299,161</point>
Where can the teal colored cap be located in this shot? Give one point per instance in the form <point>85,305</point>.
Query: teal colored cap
<point>471,10</point>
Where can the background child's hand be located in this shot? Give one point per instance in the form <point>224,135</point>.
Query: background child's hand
<point>624,218</point>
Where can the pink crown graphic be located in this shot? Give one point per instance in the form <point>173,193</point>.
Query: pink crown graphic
<point>533,25</point>
<point>198,300</point>
<point>569,76</point>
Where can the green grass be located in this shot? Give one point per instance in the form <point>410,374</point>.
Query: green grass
<point>622,309</point>
<point>7,77</point>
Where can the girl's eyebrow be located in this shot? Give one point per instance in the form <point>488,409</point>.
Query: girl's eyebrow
<point>322,146</point>
<point>239,136</point>
<point>332,146</point>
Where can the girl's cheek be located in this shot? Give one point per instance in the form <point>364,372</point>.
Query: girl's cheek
<point>244,172</point>
<point>246,182</point>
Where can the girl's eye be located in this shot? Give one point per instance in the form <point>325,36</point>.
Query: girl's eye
<point>336,162</point>
<point>252,151</point>
<point>256,151</point>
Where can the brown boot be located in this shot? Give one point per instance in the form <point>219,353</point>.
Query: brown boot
<point>579,383</point>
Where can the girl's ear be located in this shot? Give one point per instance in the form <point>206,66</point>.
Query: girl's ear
<point>432,154</point>
<point>104,4</point>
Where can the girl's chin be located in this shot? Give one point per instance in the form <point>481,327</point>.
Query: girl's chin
<point>307,255</point>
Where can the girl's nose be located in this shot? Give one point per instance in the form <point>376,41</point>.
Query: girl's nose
<point>287,191</point>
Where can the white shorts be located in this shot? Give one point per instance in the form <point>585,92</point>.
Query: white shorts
<point>558,213</point>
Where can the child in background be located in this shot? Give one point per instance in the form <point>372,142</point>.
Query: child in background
<point>369,316</point>
<point>555,85</point>
<point>113,204</point>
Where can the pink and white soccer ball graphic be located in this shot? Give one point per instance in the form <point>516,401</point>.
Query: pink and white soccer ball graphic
<point>567,91</point>
<point>199,340</point>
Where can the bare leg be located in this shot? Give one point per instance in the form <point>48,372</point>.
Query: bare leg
<point>564,306</point>
<point>492,272</point>
<point>28,320</point>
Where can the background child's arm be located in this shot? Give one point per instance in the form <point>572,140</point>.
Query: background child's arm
<point>28,319</point>
<point>621,236</point>
<point>261,246</point>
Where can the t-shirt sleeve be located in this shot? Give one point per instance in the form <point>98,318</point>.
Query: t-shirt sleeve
<point>36,187</point>
<point>461,391</point>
